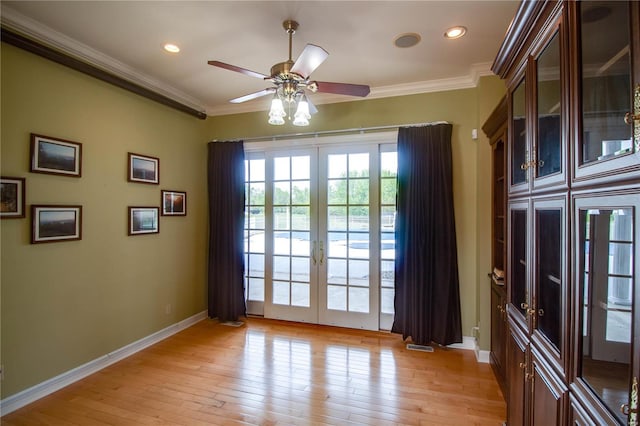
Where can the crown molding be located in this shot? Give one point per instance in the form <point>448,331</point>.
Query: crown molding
<point>47,36</point>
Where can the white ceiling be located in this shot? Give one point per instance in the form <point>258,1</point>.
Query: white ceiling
<point>127,37</point>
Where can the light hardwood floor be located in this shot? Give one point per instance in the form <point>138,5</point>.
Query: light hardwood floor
<point>278,373</point>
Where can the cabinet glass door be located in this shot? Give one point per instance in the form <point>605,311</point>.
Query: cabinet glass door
<point>519,153</point>
<point>549,271</point>
<point>607,238</point>
<point>548,159</point>
<point>518,276</point>
<point>606,140</point>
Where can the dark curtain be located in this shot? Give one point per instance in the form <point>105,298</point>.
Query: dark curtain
<point>427,293</point>
<point>226,230</point>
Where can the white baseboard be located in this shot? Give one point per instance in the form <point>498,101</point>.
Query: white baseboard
<point>471,344</point>
<point>47,387</point>
<point>468,343</point>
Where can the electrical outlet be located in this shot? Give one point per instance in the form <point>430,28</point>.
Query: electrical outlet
<point>167,309</point>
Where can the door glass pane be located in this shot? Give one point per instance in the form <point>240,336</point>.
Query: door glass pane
<point>280,293</point>
<point>300,168</point>
<point>519,135</point>
<point>388,185</point>
<point>300,269</point>
<point>281,193</point>
<point>337,271</point>
<point>337,220</point>
<point>281,168</point>
<point>337,297</point>
<point>358,299</point>
<point>549,284</point>
<point>348,208</point>
<point>292,231</point>
<point>519,260</point>
<point>606,281</point>
<point>254,228</point>
<point>281,267</point>
<point>300,295</point>
<point>337,166</point>
<point>606,79</point>
<point>359,273</point>
<point>549,144</point>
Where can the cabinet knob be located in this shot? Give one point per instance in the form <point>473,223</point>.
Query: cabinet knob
<point>540,312</point>
<point>630,118</point>
<point>522,365</point>
<point>524,306</point>
<point>624,409</point>
<point>531,312</point>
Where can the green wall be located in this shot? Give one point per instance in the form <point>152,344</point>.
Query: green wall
<point>67,303</point>
<point>64,304</point>
<point>466,109</point>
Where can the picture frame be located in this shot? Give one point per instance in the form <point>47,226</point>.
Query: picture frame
<point>55,156</point>
<point>53,223</point>
<point>12,196</point>
<point>174,203</point>
<point>144,220</point>
<point>143,169</point>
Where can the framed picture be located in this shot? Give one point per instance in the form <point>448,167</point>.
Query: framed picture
<point>143,169</point>
<point>174,203</point>
<point>11,197</point>
<point>55,156</point>
<point>143,220</point>
<point>55,223</point>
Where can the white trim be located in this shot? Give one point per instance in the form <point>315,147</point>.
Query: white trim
<point>471,344</point>
<point>468,343</point>
<point>47,387</point>
<point>482,356</point>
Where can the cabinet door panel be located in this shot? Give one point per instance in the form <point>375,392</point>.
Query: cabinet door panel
<point>607,269</point>
<point>518,252</point>
<point>519,154</point>
<point>549,394</point>
<point>516,361</point>
<point>549,143</point>
<point>606,141</point>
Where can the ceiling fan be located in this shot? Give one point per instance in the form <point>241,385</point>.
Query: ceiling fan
<point>292,78</point>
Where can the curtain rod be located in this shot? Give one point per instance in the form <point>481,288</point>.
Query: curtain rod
<point>331,132</point>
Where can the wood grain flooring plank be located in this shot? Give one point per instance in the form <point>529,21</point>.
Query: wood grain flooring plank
<point>271,373</point>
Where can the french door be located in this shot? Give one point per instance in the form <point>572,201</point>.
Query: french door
<point>319,234</point>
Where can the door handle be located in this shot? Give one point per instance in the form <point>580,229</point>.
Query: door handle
<point>313,253</point>
<point>321,253</point>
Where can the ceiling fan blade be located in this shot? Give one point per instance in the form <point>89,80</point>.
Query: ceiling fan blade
<point>310,59</point>
<point>238,69</point>
<point>253,95</point>
<point>343,88</point>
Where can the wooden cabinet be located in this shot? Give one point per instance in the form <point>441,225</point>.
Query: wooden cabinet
<point>496,130</point>
<point>573,213</point>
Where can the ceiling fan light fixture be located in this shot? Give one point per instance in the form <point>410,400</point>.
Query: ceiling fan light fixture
<point>302,116</point>
<point>455,32</point>
<point>276,113</point>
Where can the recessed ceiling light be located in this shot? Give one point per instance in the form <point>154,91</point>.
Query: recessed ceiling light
<point>171,48</point>
<point>455,32</point>
<point>407,40</point>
